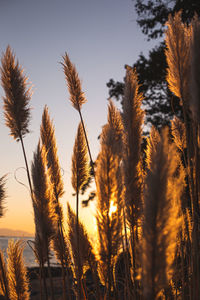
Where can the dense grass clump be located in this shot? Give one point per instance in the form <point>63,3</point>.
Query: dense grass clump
<point>147,200</point>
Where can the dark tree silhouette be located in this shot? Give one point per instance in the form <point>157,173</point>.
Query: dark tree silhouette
<point>160,105</point>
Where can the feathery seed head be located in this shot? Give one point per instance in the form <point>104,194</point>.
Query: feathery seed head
<point>4,288</point>
<point>2,195</point>
<point>152,142</point>
<point>179,133</point>
<point>17,95</point>
<point>178,57</point>
<point>164,187</point>
<point>80,161</point>
<point>47,134</point>
<point>133,117</point>
<point>109,222</point>
<point>60,245</point>
<point>115,124</point>
<point>17,273</point>
<point>106,168</point>
<point>43,195</point>
<point>87,257</point>
<point>47,131</point>
<point>39,249</point>
<point>132,113</point>
<point>77,97</point>
<point>42,186</point>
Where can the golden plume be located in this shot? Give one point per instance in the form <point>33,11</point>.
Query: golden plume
<point>164,187</point>
<point>109,223</point>
<point>2,195</point>
<point>39,250</point>
<point>17,273</point>
<point>47,134</point>
<point>80,175</point>
<point>179,133</point>
<point>178,54</point>
<point>77,97</point>
<point>152,142</point>
<point>17,95</point>
<point>4,288</point>
<point>80,164</point>
<point>87,256</point>
<point>182,42</point>
<point>132,117</point>
<point>115,125</point>
<point>42,200</point>
<point>60,247</point>
<point>43,205</point>
<point>16,101</point>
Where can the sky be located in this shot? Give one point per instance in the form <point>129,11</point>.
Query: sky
<point>100,37</point>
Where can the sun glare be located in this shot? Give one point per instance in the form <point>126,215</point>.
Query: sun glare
<point>112,209</point>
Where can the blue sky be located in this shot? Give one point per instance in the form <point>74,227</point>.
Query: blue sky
<point>100,36</point>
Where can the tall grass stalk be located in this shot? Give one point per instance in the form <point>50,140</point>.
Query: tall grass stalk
<point>161,211</point>
<point>182,78</point>
<point>77,96</point>
<point>132,116</point>
<point>108,223</point>
<point>16,101</point>
<point>47,133</point>
<point>43,205</point>
<point>87,256</point>
<point>80,174</point>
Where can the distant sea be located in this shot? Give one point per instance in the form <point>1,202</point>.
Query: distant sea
<point>28,252</point>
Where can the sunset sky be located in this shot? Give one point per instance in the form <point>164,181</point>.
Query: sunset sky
<point>100,36</point>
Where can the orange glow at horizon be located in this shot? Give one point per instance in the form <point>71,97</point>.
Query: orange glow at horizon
<point>20,221</point>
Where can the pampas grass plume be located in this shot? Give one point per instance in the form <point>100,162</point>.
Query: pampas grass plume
<point>115,123</point>
<point>133,117</point>
<point>77,97</point>
<point>152,142</point>
<point>42,201</point>
<point>80,163</point>
<point>47,133</point>
<point>17,273</point>
<point>2,195</point>
<point>17,95</point>
<point>109,223</point>
<point>87,257</point>
<point>179,133</point>
<point>4,288</point>
<point>178,55</point>
<point>162,219</point>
